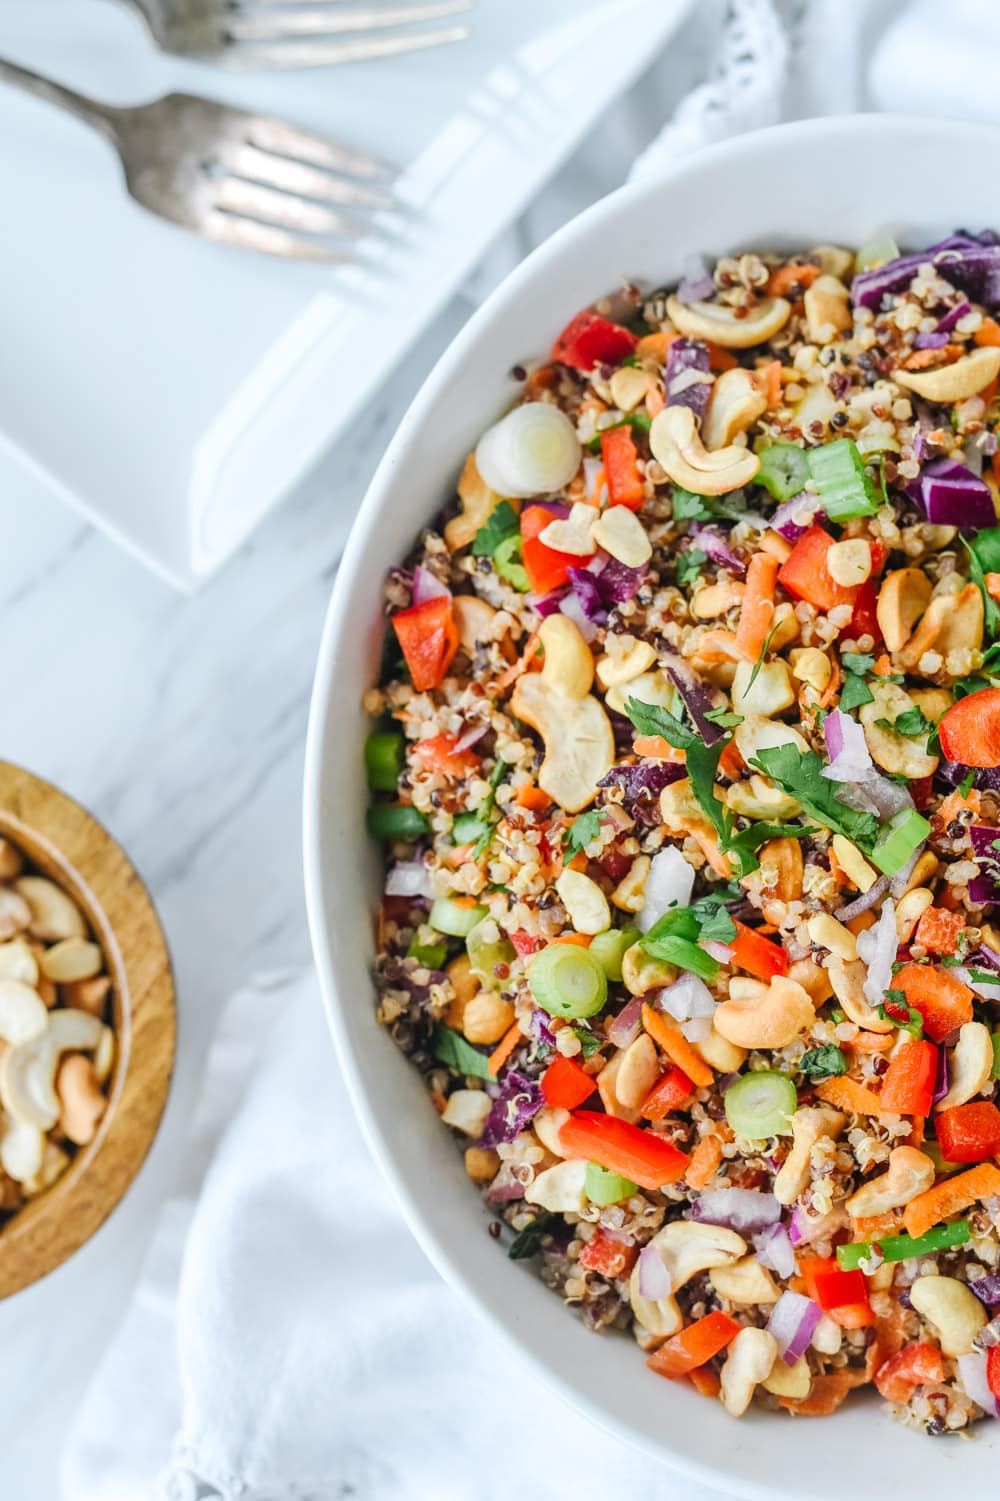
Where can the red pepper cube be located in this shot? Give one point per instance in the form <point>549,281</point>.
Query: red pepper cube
<point>944,1002</point>
<point>969,1133</point>
<point>669,1093</point>
<point>621,469</point>
<point>843,1295</point>
<point>606,1254</point>
<point>693,1346</point>
<point>757,954</point>
<point>641,1156</point>
<point>565,1084</point>
<point>805,574</point>
<point>908,1083</point>
<point>591,340</point>
<point>428,638</point>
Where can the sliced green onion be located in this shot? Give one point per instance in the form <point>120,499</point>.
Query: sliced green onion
<point>395,821</point>
<point>761,1104</point>
<point>458,922</point>
<point>507,562</point>
<point>605,1187</point>
<point>877,443</point>
<point>609,949</point>
<point>468,827</point>
<point>784,470</point>
<point>426,946</point>
<point>384,759</point>
<point>684,954</point>
<point>839,478</point>
<point>567,981</point>
<point>995,1074</point>
<point>534,450</point>
<point>904,832</point>
<point>877,252</point>
<point>902,1247</point>
<point>486,952</point>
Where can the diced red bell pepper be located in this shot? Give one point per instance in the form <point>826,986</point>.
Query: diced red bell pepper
<point>758,955</point>
<point>428,637</point>
<point>606,1254</point>
<point>546,567</point>
<point>524,943</point>
<point>843,1295</point>
<point>693,1346</point>
<point>914,1365</point>
<point>591,340</point>
<point>621,469</point>
<point>864,621</point>
<point>805,574</point>
<point>993,1370</point>
<point>668,1093</point>
<point>565,1084</point>
<point>642,1156</point>
<point>943,1002</point>
<point>970,731</point>
<point>908,1083</point>
<point>969,1133</point>
<point>439,754</point>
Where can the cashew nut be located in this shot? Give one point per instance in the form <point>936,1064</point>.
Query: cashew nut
<point>719,324</point>
<point>849,562</point>
<point>758,732</point>
<point>789,1380</point>
<point>827,933</point>
<point>681,813</point>
<point>826,308</point>
<point>560,1189</point>
<point>649,687</point>
<point>474,620</point>
<point>573,534</point>
<point>81,1101</point>
<point>628,386</point>
<point>585,902</point>
<point>738,399</point>
<point>17,962</point>
<point>11,860</point>
<point>71,959</point>
<point>769,693</point>
<point>22,1012</point>
<point>686,1247</point>
<point>466,1109</point>
<point>15,914</point>
<point>909,1173</point>
<point>579,743</point>
<point>749,1361</point>
<point>910,909</point>
<point>625,659</point>
<point>965,377</point>
<point>719,1053</point>
<point>54,1163</point>
<point>970,1065</point>
<point>814,980</point>
<point>810,1124</point>
<point>642,973</point>
<point>630,893</point>
<point>27,1070</point>
<point>104,1056</point>
<point>745,1281</point>
<point>678,449</point>
<point>620,532</point>
<point>477,501</point>
<point>848,980</point>
<point>54,914</point>
<point>902,599</point>
<point>607,1087</point>
<point>716,599</point>
<point>834,260</point>
<point>547,1124</point>
<point>22,1148</point>
<point>956,1314</point>
<point>758,797</point>
<point>772,1020</point>
<point>952,622</point>
<point>827,1337</point>
<point>638,1071</point>
<point>811,666</point>
<point>900,754</point>
<point>853,863</point>
<point>88,995</point>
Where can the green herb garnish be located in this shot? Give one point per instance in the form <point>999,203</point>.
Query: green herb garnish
<point>800,774</point>
<point>825,1062</point>
<point>500,524</point>
<point>581,832</point>
<point>527,1241</point>
<point>450,1047</point>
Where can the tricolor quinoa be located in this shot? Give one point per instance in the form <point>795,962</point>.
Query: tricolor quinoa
<point>687,766</point>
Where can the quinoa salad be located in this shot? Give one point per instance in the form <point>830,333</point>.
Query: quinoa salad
<point>685,760</point>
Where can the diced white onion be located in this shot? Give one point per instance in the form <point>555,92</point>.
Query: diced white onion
<point>571,607</point>
<point>534,450</point>
<point>877,947</point>
<point>408,878</point>
<point>687,997</point>
<point>668,885</point>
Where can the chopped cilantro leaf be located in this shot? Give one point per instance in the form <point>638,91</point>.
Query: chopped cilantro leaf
<point>689,565</point>
<point>859,662</point>
<point>800,774</point>
<point>715,923</point>
<point>896,1008</point>
<point>911,722</point>
<point>983,553</point>
<point>724,717</point>
<point>855,693</point>
<point>527,1241</point>
<point>744,846</point>
<point>500,524</point>
<point>451,1047</point>
<point>824,1062</point>
<point>589,1041</point>
<point>651,719</point>
<point>486,807</point>
<point>580,833</point>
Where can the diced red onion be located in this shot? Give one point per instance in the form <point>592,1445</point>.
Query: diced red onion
<point>696,284</point>
<point>775,1250</point>
<point>546,604</point>
<point>571,607</point>
<point>931,341</point>
<point>792,1324</point>
<point>850,759</point>
<point>408,878</point>
<point>972,1374</point>
<point>987,1290</point>
<point>941,1077</point>
<point>947,323</point>
<point>669,884</point>
<point>688,362</point>
<point>688,996</point>
<point>470,737</point>
<point>742,1209</point>
<point>505,1193</point>
<point>715,546</point>
<point>427,586</point>
<point>874,793</point>
<point>627,1024</point>
<point>864,902</point>
<point>654,1278</point>
<point>721,952</point>
<point>877,948</point>
<point>796,1227</point>
<point>794,517</point>
<point>951,495</point>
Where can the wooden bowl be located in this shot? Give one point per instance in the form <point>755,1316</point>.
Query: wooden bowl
<point>66,844</point>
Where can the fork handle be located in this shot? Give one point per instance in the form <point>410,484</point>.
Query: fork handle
<point>101,116</point>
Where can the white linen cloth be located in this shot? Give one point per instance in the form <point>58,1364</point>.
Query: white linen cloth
<point>289,1341</point>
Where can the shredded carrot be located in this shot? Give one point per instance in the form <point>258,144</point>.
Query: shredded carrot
<point>883,665</point>
<point>704,1379</point>
<point>581,940</point>
<point>792,274</point>
<point>845,1093</point>
<point>731,763</point>
<point>720,359</point>
<point>826,1394</point>
<point>704,1160</point>
<point>871,1042</point>
<point>516,668</point>
<point>463,901</point>
<point>655,401</point>
<point>872,1226</point>
<point>918,1130</point>
<point>993,585</point>
<point>654,346</point>
<point>503,1049</point>
<point>459,855</point>
<point>988,333</point>
<point>950,1197</point>
<point>438,1101</point>
<point>676,1046</point>
<point>532,798</point>
<point>775,544</point>
<point>771,373</point>
<point>955,804</point>
<point>833,686</point>
<point>757,607</point>
<point>657,749</point>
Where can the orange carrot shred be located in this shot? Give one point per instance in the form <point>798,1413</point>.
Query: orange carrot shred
<point>845,1093</point>
<point>503,1049</point>
<point>950,1197</point>
<point>676,1046</point>
<point>704,1160</point>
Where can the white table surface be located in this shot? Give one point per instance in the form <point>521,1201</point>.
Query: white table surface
<point>180,723</point>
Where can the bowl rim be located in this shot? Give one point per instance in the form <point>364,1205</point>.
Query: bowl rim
<point>848,129</point>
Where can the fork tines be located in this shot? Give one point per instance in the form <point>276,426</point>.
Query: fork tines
<point>314,33</point>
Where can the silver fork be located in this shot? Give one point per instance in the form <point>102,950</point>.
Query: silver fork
<point>295,33</point>
<point>250,180</point>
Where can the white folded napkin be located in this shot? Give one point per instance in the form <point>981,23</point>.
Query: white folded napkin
<point>289,1341</point>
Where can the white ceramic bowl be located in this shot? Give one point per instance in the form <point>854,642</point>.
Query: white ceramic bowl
<point>835,180</point>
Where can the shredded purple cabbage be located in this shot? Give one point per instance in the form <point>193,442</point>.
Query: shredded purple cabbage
<point>617,583</point>
<point>970,262</point>
<point>949,494</point>
<point>698,699</point>
<point>682,356</point>
<point>642,783</point>
<point>987,1290</point>
<point>518,1100</point>
<point>587,588</point>
<point>715,546</point>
